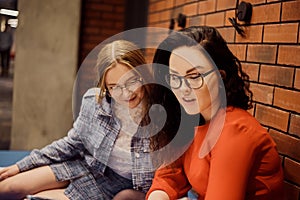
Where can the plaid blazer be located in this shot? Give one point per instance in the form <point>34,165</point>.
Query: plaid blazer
<point>86,149</point>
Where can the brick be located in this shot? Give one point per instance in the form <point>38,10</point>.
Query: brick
<point>99,7</point>
<point>262,93</point>
<point>207,6</point>
<point>286,145</point>
<point>229,14</point>
<point>289,55</point>
<point>253,2</point>
<point>119,25</point>
<point>161,5</point>
<point>226,4</point>
<point>266,13</point>
<point>190,9</point>
<point>112,16</point>
<point>93,14</point>
<point>262,53</point>
<point>170,4</point>
<point>197,21</point>
<point>276,75</point>
<point>287,99</point>
<point>290,11</point>
<point>153,18</point>
<point>291,170</point>
<point>215,19</point>
<point>272,117</point>
<point>252,34</point>
<point>295,125</point>
<point>165,15</point>
<point>297,79</point>
<point>119,9</point>
<point>180,2</point>
<point>281,33</point>
<point>227,33</point>
<point>239,50</point>
<point>93,30</point>
<point>251,70</point>
<point>291,192</point>
<point>176,11</point>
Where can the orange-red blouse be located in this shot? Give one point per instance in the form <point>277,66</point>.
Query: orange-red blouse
<point>244,164</point>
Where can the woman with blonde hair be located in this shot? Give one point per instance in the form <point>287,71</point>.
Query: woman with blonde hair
<point>106,153</point>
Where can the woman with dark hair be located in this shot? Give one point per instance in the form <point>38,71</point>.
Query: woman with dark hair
<point>232,156</point>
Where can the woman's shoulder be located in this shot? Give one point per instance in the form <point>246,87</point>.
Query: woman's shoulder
<point>241,122</point>
<point>240,116</point>
<point>90,102</point>
<point>92,93</point>
<point>242,130</point>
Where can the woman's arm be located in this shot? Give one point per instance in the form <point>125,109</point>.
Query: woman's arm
<point>169,182</point>
<point>8,171</point>
<point>67,147</point>
<point>158,194</point>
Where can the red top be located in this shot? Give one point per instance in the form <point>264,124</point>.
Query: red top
<point>244,164</point>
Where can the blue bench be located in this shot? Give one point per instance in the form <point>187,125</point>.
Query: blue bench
<point>10,157</point>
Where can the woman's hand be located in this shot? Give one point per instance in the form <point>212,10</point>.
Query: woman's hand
<point>8,172</point>
<point>158,194</point>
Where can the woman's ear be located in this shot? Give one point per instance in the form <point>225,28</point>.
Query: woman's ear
<point>223,74</point>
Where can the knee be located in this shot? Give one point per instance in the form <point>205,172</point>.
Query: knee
<point>129,194</point>
<point>11,190</point>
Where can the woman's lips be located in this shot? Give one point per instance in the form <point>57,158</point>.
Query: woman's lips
<point>131,99</point>
<point>188,100</point>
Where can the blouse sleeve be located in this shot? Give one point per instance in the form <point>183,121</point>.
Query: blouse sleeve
<point>171,179</point>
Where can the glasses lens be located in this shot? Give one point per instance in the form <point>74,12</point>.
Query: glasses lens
<point>116,90</point>
<point>133,84</point>
<point>173,80</point>
<point>195,81</point>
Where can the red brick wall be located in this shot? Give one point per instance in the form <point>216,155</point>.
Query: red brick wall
<point>270,54</point>
<point>100,20</point>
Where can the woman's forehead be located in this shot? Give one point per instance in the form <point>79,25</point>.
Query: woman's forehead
<point>119,72</point>
<point>189,57</point>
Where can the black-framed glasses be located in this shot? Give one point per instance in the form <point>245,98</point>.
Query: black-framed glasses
<point>131,85</point>
<point>193,80</point>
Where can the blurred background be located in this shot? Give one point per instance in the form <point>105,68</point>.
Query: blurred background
<point>48,40</point>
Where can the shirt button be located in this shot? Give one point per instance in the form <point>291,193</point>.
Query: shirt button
<point>137,155</point>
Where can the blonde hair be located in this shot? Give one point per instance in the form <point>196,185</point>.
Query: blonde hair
<point>119,51</point>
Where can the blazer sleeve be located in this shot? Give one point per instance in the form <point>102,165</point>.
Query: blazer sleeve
<point>64,148</point>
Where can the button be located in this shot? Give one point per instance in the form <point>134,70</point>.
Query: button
<point>137,155</point>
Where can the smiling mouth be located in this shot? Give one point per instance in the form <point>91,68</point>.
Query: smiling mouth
<point>131,99</point>
<point>188,100</point>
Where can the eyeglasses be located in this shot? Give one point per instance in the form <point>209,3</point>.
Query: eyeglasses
<point>193,81</point>
<point>130,85</point>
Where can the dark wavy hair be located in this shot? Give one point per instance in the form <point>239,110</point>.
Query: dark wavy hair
<point>236,81</point>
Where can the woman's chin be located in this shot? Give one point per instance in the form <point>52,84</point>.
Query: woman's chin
<point>191,111</point>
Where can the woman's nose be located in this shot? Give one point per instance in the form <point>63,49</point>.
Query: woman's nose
<point>185,89</point>
<point>126,92</point>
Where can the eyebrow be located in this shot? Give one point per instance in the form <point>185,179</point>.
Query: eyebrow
<point>194,68</point>
<point>113,84</point>
<point>189,70</point>
<point>173,71</point>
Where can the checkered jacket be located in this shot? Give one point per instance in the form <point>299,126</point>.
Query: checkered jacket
<point>87,147</point>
